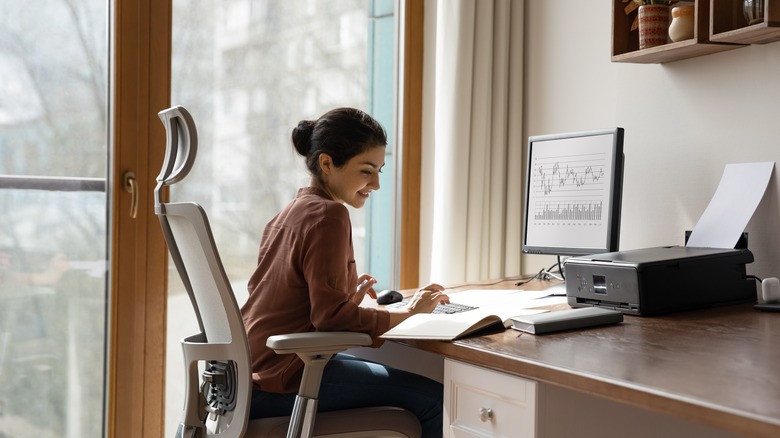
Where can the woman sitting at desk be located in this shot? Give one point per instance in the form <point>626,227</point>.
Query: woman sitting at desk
<point>306,281</point>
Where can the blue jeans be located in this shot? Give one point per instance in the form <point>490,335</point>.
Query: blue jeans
<point>350,382</point>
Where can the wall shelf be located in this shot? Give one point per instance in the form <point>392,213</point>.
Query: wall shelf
<point>625,42</point>
<point>728,24</point>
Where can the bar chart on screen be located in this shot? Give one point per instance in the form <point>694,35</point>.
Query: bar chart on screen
<point>568,211</point>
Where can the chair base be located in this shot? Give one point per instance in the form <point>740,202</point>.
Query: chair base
<point>377,422</point>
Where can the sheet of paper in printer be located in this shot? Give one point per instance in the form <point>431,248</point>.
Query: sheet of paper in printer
<point>740,190</point>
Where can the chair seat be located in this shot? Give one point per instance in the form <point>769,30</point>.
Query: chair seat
<point>372,422</point>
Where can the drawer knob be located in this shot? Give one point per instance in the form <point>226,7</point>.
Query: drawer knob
<point>485,414</point>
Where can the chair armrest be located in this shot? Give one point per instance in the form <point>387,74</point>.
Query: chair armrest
<point>315,350</point>
<point>317,342</point>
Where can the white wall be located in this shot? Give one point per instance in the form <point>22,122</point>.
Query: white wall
<point>684,121</point>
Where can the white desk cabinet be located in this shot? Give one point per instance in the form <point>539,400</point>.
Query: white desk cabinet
<point>483,403</point>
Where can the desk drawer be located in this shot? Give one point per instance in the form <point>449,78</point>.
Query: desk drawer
<point>483,403</point>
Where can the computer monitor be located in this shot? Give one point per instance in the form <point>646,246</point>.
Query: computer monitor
<point>573,193</point>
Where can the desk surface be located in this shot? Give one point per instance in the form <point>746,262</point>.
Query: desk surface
<point>718,366</point>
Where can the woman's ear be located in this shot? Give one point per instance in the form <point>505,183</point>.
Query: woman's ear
<point>326,162</point>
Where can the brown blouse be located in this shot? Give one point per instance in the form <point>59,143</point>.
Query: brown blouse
<point>304,279</point>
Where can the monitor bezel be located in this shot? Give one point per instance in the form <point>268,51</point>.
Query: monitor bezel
<point>616,192</point>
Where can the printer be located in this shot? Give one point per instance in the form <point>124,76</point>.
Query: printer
<point>653,281</point>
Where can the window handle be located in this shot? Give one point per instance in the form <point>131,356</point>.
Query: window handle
<point>131,186</point>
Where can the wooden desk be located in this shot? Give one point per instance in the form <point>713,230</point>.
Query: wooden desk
<point>719,367</point>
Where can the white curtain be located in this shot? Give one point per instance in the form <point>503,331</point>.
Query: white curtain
<point>472,137</point>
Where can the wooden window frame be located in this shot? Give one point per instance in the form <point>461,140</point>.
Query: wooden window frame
<point>411,142</point>
<point>141,72</point>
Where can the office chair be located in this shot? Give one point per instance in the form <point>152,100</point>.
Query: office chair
<point>217,400</point>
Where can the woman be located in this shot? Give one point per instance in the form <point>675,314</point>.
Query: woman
<point>306,281</point>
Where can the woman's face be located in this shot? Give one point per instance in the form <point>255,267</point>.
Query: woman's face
<point>356,179</point>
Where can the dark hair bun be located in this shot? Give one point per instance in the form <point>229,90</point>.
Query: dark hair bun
<point>342,133</point>
<point>301,136</point>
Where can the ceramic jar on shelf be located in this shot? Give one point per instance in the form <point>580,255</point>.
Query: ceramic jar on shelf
<point>653,20</point>
<point>681,27</point>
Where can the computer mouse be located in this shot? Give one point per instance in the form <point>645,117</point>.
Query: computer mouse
<point>388,296</point>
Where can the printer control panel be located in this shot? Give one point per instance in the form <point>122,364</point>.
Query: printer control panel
<point>601,284</point>
<point>608,285</point>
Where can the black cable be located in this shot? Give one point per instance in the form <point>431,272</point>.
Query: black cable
<point>545,274</point>
<point>560,269</point>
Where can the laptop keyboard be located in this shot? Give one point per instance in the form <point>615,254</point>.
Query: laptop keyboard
<point>441,307</point>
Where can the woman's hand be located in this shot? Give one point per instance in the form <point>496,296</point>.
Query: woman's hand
<point>423,301</point>
<point>365,286</point>
<point>427,298</point>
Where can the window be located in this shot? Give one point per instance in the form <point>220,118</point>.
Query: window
<point>53,210</point>
<point>248,71</point>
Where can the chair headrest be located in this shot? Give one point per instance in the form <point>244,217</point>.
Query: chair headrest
<point>180,150</point>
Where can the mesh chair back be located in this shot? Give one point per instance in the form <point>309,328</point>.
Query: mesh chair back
<point>222,340</point>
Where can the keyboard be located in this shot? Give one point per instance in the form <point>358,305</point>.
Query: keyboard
<point>440,308</point>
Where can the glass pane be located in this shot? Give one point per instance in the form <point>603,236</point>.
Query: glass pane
<point>248,71</point>
<point>53,107</point>
<point>381,94</point>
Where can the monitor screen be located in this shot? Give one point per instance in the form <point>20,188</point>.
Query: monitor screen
<point>573,193</point>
